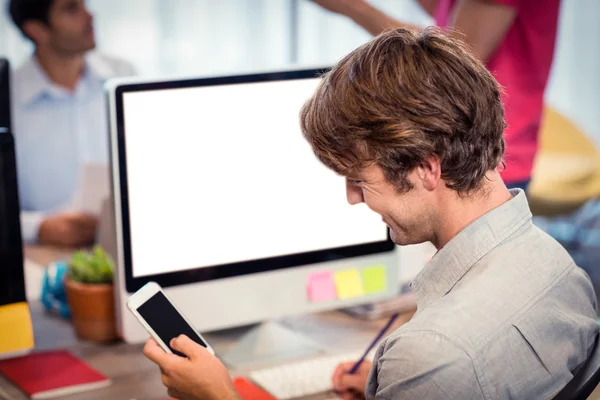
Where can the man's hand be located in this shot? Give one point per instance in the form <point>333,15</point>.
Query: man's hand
<point>200,376</point>
<point>351,387</point>
<point>342,7</point>
<point>70,229</point>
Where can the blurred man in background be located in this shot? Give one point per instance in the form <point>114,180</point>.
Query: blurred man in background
<point>59,117</point>
<point>515,39</point>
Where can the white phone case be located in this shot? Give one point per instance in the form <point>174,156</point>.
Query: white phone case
<point>144,294</point>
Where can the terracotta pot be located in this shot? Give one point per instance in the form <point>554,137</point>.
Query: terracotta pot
<point>92,310</point>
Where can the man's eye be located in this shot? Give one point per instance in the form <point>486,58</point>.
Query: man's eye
<point>354,183</point>
<point>72,7</point>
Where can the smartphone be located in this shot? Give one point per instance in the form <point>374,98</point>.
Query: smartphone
<point>159,316</point>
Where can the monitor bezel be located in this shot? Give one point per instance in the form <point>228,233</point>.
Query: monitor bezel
<point>5,118</point>
<point>202,274</point>
<point>12,278</point>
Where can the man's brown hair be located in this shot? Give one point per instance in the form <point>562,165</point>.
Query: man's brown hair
<point>403,97</point>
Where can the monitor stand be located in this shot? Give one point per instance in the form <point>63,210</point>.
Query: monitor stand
<point>269,343</point>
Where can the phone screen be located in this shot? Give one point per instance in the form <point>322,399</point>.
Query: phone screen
<point>166,321</point>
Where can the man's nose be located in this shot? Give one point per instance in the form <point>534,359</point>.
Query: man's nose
<point>353,194</point>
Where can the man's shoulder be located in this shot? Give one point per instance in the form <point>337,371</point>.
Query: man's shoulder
<point>414,337</point>
<point>483,307</point>
<point>499,348</point>
<point>26,81</point>
<point>529,245</point>
<point>424,347</point>
<point>109,66</point>
<point>423,363</point>
<point>20,71</point>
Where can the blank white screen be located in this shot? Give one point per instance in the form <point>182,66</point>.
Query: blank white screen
<point>221,174</point>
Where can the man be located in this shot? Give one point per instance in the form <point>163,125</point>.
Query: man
<point>59,117</point>
<point>516,40</point>
<point>415,123</point>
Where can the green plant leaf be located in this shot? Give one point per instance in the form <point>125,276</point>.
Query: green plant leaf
<point>94,267</point>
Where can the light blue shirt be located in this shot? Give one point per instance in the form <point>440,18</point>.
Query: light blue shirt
<point>56,133</point>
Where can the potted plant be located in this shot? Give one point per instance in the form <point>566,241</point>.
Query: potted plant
<point>89,288</point>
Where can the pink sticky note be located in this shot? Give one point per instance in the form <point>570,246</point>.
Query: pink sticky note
<point>321,287</point>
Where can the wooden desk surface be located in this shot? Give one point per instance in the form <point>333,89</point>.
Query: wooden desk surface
<point>134,377</point>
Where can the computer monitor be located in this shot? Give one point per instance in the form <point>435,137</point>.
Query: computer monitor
<point>16,334</point>
<point>220,200</point>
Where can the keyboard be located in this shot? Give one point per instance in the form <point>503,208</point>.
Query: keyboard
<point>301,378</point>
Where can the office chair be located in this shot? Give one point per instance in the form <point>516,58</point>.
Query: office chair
<point>586,379</point>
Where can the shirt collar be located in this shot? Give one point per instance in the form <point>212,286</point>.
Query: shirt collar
<point>456,258</point>
<point>99,68</point>
<point>35,83</point>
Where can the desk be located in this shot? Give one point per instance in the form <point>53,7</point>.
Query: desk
<point>134,377</point>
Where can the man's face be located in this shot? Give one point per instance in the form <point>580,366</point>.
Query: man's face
<point>71,29</point>
<point>408,215</point>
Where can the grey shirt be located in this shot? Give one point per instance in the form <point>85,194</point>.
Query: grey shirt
<point>502,313</point>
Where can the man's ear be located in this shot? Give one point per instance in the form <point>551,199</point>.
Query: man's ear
<point>430,172</point>
<point>37,31</point>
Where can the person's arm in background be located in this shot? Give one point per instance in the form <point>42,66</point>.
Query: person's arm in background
<point>482,24</point>
<point>68,229</point>
<point>55,228</point>
<point>30,225</point>
<point>368,17</point>
<point>429,6</point>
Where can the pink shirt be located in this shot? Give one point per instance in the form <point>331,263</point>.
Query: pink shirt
<point>521,64</point>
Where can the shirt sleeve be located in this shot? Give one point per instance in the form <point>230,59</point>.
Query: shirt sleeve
<point>423,365</point>
<point>124,68</point>
<point>128,70</point>
<point>30,225</point>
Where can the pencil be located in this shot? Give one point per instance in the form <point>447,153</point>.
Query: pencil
<point>373,343</point>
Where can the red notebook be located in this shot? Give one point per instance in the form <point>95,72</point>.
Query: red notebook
<point>49,374</point>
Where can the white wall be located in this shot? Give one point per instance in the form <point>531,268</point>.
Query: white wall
<point>169,37</point>
<point>574,87</point>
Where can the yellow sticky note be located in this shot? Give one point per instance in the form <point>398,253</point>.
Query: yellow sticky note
<point>375,279</point>
<point>348,284</point>
<point>16,330</point>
